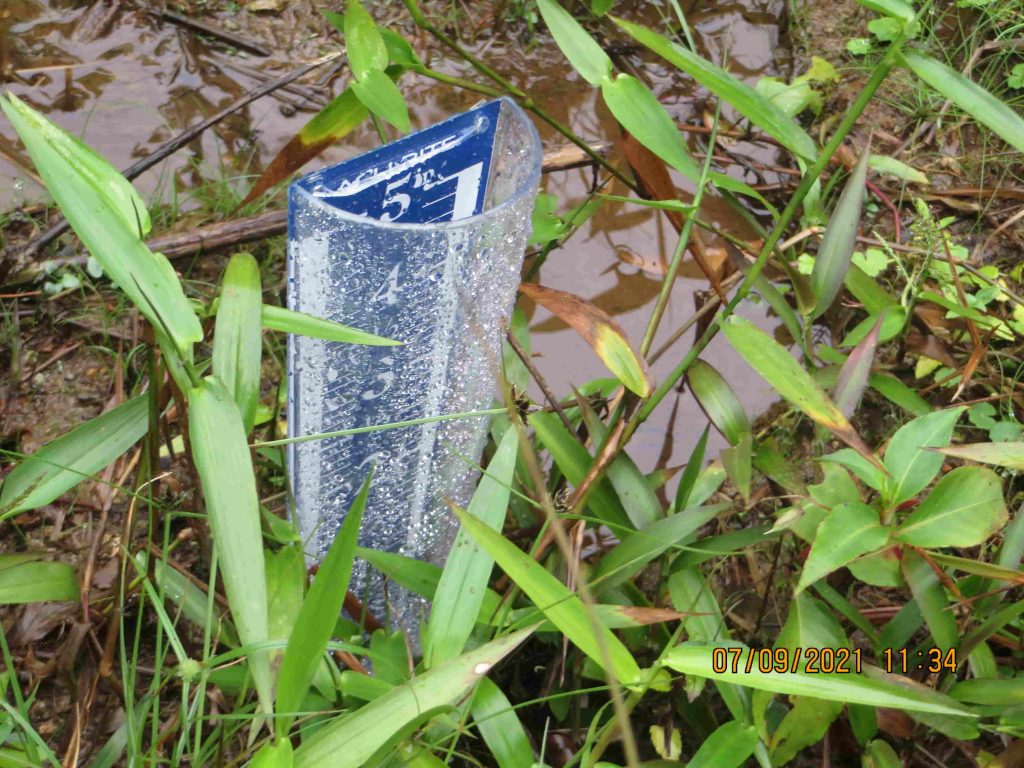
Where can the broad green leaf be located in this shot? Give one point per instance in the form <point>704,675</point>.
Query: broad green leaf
<point>640,113</point>
<point>910,464</point>
<point>638,548</point>
<point>867,291</point>
<point>898,393</point>
<point>880,569</point>
<point>575,461</point>
<point>721,545</point>
<point>776,366</point>
<point>221,456</point>
<point>500,728</point>
<point>895,8</point>
<point>632,488</point>
<point>693,469</point>
<point>600,331</point>
<point>585,55</point>
<point>853,376</point>
<point>289,321</point>
<point>691,594</point>
<point>728,746</point>
<point>737,460</point>
<point>849,531</point>
<point>94,199</point>
<point>931,599</point>
<point>840,240</point>
<point>286,585</point>
<point>422,578</point>
<point>1007,692</point>
<point>563,608</point>
<point>868,473</point>
<point>38,582</point>
<point>63,463</point>
<point>849,688</point>
<point>964,508</point>
<point>276,754</point>
<point>1009,455</point>
<point>747,101</point>
<point>318,615</point>
<point>804,725</point>
<point>986,108</point>
<point>719,402</point>
<point>381,96</point>
<point>880,755</point>
<point>900,170</point>
<point>363,42</point>
<point>769,459</point>
<point>463,584</point>
<point>350,740</point>
<point>238,341</point>
<point>810,624</point>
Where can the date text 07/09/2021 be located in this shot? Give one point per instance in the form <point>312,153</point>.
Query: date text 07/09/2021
<point>828,660</point>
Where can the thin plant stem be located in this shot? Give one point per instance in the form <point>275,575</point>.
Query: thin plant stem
<point>668,283</point>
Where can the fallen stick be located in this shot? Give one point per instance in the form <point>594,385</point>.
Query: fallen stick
<point>183,138</point>
<point>221,34</point>
<point>232,232</point>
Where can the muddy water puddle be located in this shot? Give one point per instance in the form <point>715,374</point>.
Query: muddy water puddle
<point>126,79</point>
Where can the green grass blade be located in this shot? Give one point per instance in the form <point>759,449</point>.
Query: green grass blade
<point>719,402</point>
<point>1009,455</point>
<point>37,582</point>
<point>290,321</point>
<point>350,741</point>
<point>318,615</point>
<point>563,608</point>
<point>221,456</point>
<point>840,241</point>
<point>639,548</point>
<point>500,727</point>
<point>931,599</point>
<point>776,366</point>
<point>983,106</point>
<point>63,463</point>
<point>586,56</point>
<point>93,197</point>
<point>728,746</point>
<point>237,341</point>
<point>694,465</point>
<point>460,593</point>
<point>848,688</point>
<point>748,102</point>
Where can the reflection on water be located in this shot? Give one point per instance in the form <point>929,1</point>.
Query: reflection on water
<point>126,80</point>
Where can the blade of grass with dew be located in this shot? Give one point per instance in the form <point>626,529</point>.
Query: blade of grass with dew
<point>776,366</point>
<point>237,340</point>
<point>840,241</point>
<point>289,321</point>
<point>562,607</point>
<point>63,463</point>
<point>38,582</point>
<point>983,106</point>
<point>351,740</point>
<point>460,592</point>
<point>222,459</point>
<point>848,688</point>
<point>107,215</point>
<point>318,615</point>
<point>748,102</point>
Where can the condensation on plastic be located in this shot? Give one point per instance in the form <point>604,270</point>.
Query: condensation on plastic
<point>441,288</point>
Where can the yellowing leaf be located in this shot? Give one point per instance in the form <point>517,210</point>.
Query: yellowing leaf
<point>602,333</point>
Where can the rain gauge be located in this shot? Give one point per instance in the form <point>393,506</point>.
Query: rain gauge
<point>421,241</point>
